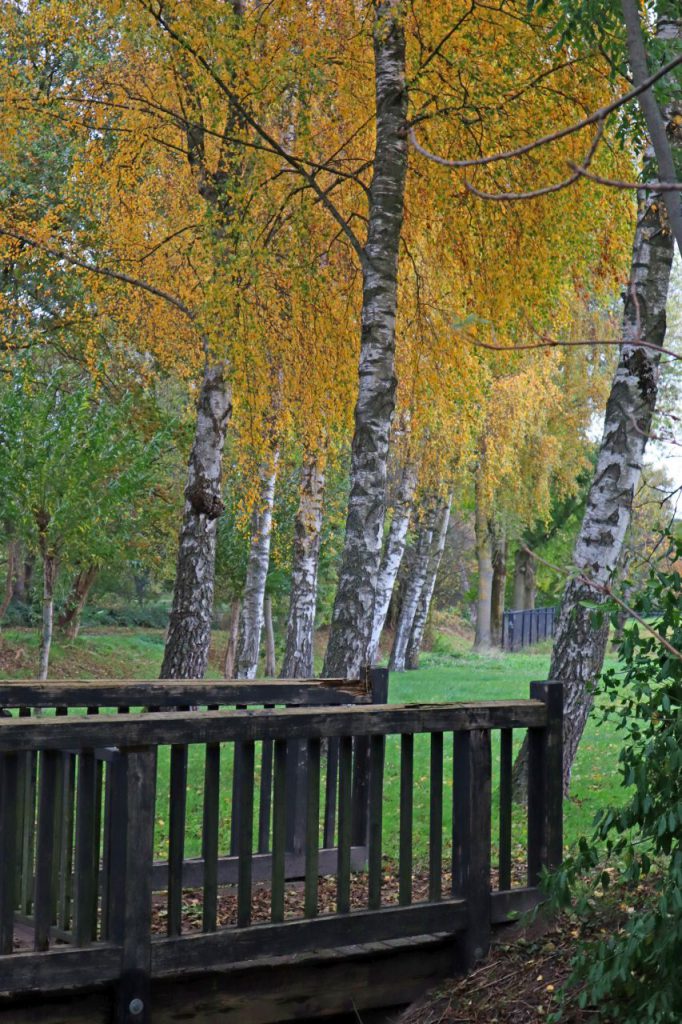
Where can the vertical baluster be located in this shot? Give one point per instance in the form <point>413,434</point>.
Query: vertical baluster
<point>265,804</point>
<point>279,827</point>
<point>312,827</point>
<point>345,824</point>
<point>42,910</point>
<point>210,835</point>
<point>9,793</point>
<point>505,808</point>
<point>236,781</point>
<point>436,817</point>
<point>66,850</point>
<point>245,838</point>
<point>406,807</point>
<point>106,851</point>
<point>377,753</point>
<point>96,836</point>
<point>85,881</point>
<point>29,770</point>
<point>177,813</point>
<point>330,791</point>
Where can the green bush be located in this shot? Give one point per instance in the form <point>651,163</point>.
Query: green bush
<point>634,975</point>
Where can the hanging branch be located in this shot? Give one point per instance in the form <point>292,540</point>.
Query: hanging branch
<point>606,590</point>
<point>510,197</point>
<point>562,133</point>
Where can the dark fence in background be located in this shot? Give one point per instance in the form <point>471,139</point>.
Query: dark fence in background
<point>523,628</point>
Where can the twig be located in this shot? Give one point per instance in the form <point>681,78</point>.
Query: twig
<point>604,588</point>
<point>598,115</point>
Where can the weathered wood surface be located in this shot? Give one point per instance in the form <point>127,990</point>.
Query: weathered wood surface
<point>80,693</point>
<point>192,953</point>
<point>285,723</point>
<point>304,987</point>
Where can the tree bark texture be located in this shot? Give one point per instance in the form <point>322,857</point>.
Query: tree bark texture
<point>414,644</point>
<point>523,598</point>
<point>499,544</point>
<point>232,640</point>
<point>484,561</point>
<point>70,619</point>
<point>394,549</point>
<point>353,615</point>
<point>299,650</point>
<point>13,551</point>
<point>189,630</point>
<point>251,625</point>
<point>654,117</point>
<point>270,657</point>
<point>418,572</point>
<point>49,578</point>
<point>579,645</point>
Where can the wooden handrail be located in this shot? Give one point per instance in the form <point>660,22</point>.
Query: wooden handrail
<point>161,728</point>
<point>76,693</point>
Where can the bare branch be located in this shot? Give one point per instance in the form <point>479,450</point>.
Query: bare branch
<point>598,115</point>
<point>606,590</point>
<point>510,197</point>
<point>649,186</point>
<point>94,268</point>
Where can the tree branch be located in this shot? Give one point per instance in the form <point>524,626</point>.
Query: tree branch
<point>598,115</point>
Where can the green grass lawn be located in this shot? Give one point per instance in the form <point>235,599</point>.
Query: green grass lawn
<point>456,675</point>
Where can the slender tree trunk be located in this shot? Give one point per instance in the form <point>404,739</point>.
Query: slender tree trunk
<point>12,561</point>
<point>393,554</point>
<point>657,128</point>
<point>529,586</point>
<point>353,615</point>
<point>270,657</point>
<point>233,639</point>
<point>484,559</point>
<point>298,655</point>
<point>49,578</point>
<point>189,631</point>
<point>70,619</point>
<point>523,569</point>
<point>251,624</point>
<point>579,645</point>
<point>499,542</point>
<point>414,645</point>
<point>419,568</point>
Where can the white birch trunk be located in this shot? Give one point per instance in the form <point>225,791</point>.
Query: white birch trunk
<point>579,647</point>
<point>394,550</point>
<point>298,656</point>
<point>232,640</point>
<point>253,597</point>
<point>353,615</point>
<point>499,586</point>
<point>189,630</point>
<point>270,665</point>
<point>419,568</point>
<point>49,577</point>
<point>414,645</point>
<point>484,559</point>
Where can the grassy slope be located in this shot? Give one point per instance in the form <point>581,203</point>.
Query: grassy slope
<point>457,675</point>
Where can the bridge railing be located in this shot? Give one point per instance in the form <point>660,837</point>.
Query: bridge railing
<point>524,628</point>
<point>94,911</point>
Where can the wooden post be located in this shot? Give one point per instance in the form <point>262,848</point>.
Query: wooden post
<point>378,686</point>
<point>135,878</point>
<point>545,783</point>
<point>471,840</point>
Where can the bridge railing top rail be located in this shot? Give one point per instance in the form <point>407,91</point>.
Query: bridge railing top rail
<point>161,728</point>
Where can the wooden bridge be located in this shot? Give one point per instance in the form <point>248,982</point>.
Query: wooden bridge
<point>115,904</point>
